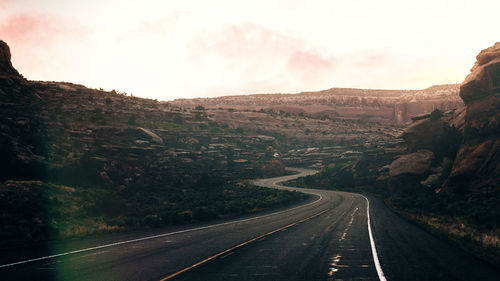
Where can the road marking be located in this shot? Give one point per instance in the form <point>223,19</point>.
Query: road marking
<point>158,235</point>
<point>376,261</point>
<point>241,245</point>
<point>380,273</point>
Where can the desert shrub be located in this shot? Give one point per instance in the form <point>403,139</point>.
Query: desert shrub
<point>178,119</point>
<point>436,114</point>
<point>203,213</point>
<point>238,130</point>
<point>152,220</point>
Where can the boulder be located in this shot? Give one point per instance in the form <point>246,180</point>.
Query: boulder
<point>154,137</point>
<point>417,163</point>
<point>423,134</point>
<point>441,134</point>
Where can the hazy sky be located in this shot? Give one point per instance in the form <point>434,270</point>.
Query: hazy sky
<point>175,49</point>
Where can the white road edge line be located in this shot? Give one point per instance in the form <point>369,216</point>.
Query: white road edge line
<point>157,236</point>
<point>380,273</point>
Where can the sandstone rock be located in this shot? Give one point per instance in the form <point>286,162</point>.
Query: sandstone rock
<point>484,79</point>
<point>458,120</point>
<point>417,163</point>
<point>423,133</point>
<point>488,55</point>
<point>477,165</point>
<point>440,134</point>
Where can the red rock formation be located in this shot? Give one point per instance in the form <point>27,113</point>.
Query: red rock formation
<point>477,165</point>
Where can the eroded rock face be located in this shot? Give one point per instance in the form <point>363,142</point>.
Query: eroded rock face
<point>5,64</point>
<point>477,165</point>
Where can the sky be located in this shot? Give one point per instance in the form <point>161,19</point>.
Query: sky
<point>184,49</point>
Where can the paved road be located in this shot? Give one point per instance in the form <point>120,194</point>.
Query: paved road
<point>327,238</point>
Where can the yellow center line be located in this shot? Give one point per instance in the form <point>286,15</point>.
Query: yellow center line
<point>240,245</point>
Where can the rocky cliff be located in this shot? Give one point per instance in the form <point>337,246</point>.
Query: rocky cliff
<point>477,164</point>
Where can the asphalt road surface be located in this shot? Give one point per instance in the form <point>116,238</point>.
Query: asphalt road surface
<point>330,237</point>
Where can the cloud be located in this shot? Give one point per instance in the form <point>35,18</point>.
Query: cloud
<point>309,66</point>
<point>39,28</point>
<point>248,52</point>
<point>5,3</point>
<point>301,60</point>
<point>42,44</point>
<point>238,41</point>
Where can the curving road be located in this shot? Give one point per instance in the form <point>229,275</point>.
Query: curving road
<point>326,238</point>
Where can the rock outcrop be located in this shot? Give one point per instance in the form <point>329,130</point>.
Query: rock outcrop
<point>477,164</point>
<point>6,67</point>
<point>439,132</point>
<point>423,133</point>
<point>152,136</point>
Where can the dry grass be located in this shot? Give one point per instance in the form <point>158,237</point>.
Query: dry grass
<point>480,242</point>
<point>456,227</point>
<point>87,227</point>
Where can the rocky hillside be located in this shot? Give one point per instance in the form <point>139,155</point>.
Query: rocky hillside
<point>308,140</point>
<point>77,161</point>
<point>52,129</point>
<point>385,106</point>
